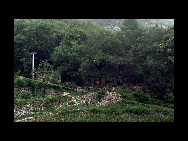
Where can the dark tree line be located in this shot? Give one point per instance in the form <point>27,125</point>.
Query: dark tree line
<point>83,49</point>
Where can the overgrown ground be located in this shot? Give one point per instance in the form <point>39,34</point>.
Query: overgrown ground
<point>135,106</point>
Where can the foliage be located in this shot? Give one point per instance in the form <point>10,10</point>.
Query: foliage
<point>130,24</point>
<point>79,49</point>
<point>32,35</point>
<point>122,112</point>
<point>100,94</point>
<point>25,94</point>
<point>50,100</point>
<point>35,88</point>
<point>130,110</point>
<point>71,85</point>
<point>169,97</point>
<point>19,101</point>
<point>126,92</point>
<point>16,93</point>
<point>141,97</point>
<point>19,82</point>
<point>47,73</point>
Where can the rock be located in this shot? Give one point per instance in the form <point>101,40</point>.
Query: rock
<point>50,92</point>
<point>65,94</point>
<point>79,89</point>
<point>109,98</point>
<point>27,108</point>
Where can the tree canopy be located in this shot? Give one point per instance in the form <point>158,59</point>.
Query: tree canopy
<point>83,49</point>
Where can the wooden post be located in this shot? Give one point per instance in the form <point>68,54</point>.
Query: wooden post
<point>33,65</point>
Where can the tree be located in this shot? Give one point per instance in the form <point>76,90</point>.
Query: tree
<point>84,49</point>
<point>32,35</point>
<point>101,51</point>
<point>130,24</point>
<point>166,47</point>
<point>147,57</point>
<point>68,54</point>
<point>47,73</point>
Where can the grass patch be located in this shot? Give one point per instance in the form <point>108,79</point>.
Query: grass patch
<point>135,107</point>
<point>122,112</point>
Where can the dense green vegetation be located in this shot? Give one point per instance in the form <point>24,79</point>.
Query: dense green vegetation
<point>83,49</point>
<point>112,113</point>
<point>134,107</point>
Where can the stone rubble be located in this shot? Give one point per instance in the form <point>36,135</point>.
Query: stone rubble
<point>27,109</point>
<point>90,88</point>
<point>109,98</point>
<point>50,92</point>
<point>31,107</point>
<point>91,98</point>
<point>79,89</point>
<point>31,118</point>
<point>66,94</point>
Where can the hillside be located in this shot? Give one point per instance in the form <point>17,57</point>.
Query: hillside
<point>77,70</point>
<point>123,104</point>
<point>114,24</point>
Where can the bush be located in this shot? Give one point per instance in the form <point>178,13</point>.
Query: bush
<point>141,97</point>
<point>39,85</point>
<point>39,89</point>
<point>69,84</point>
<point>16,93</point>
<point>169,97</point>
<point>19,82</point>
<point>131,88</point>
<point>25,94</point>
<point>125,92</point>
<point>52,99</point>
<point>157,101</point>
<point>20,101</point>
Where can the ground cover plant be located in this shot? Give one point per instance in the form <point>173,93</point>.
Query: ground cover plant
<point>134,107</point>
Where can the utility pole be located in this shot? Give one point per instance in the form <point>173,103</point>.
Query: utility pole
<point>33,65</point>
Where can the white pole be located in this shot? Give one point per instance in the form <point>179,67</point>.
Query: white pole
<point>33,66</point>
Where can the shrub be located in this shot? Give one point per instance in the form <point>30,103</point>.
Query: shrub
<point>16,93</point>
<point>126,96</point>
<point>39,89</point>
<point>52,99</point>
<point>69,84</point>
<point>131,88</point>
<point>26,94</point>
<point>169,97</point>
<point>157,101</point>
<point>39,85</point>
<point>141,97</point>
<point>19,82</point>
<point>20,101</point>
